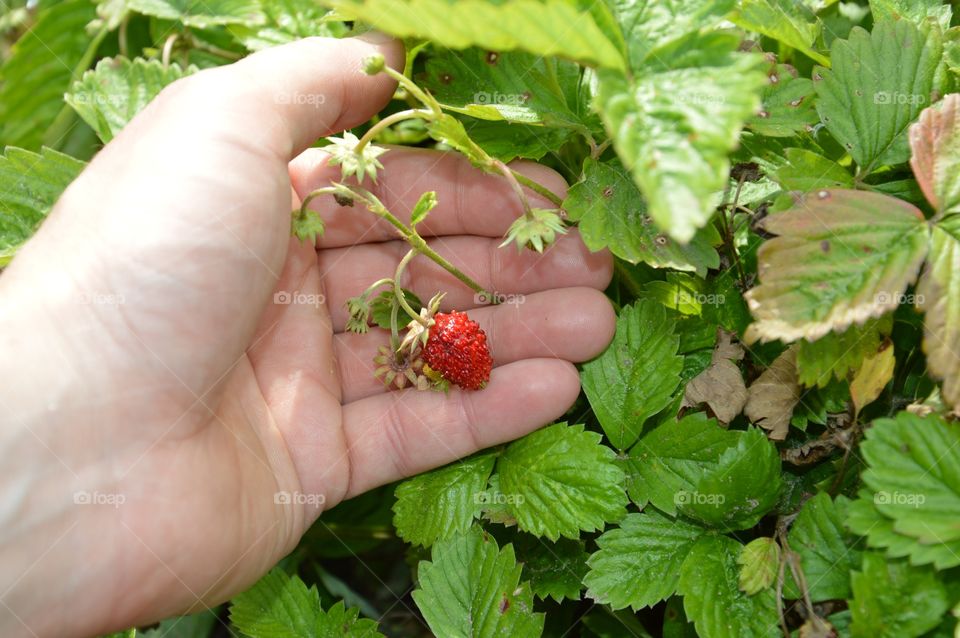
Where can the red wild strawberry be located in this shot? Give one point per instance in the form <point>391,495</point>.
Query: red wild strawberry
<point>457,349</point>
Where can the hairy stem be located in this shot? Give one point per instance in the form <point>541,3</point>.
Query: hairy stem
<point>312,195</point>
<point>515,184</point>
<point>398,291</point>
<point>168,48</point>
<point>375,206</point>
<point>375,285</point>
<point>394,331</point>
<point>388,121</point>
<point>424,249</point>
<point>415,240</point>
<point>538,188</point>
<point>413,89</point>
<point>214,50</point>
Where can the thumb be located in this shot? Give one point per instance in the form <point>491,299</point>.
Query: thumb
<point>186,213</point>
<point>306,90</point>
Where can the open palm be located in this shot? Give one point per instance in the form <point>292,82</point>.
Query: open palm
<point>181,353</point>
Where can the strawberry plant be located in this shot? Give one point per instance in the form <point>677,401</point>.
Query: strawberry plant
<point>769,446</point>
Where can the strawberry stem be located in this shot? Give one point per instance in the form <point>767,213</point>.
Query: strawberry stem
<point>413,89</point>
<point>390,120</point>
<point>515,184</point>
<point>538,188</point>
<point>395,331</point>
<point>375,285</point>
<point>375,206</point>
<point>401,299</point>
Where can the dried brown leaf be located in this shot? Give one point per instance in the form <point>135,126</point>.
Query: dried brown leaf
<point>721,388</point>
<point>721,385</point>
<point>772,397</point>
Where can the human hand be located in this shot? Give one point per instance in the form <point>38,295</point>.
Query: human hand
<point>150,360</point>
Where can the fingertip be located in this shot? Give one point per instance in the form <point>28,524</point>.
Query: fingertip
<point>381,89</point>
<point>608,324</point>
<point>550,386</point>
<point>311,88</point>
<point>600,323</point>
<point>604,260</point>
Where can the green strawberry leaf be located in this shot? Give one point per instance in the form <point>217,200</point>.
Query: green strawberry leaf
<point>561,480</point>
<point>382,306</point>
<point>517,87</point>
<point>281,606</point>
<point>507,141</point>
<point>863,518</point>
<point>202,15</point>
<point>788,104</point>
<point>837,354</point>
<point>914,474</point>
<point>611,214</point>
<point>636,375</point>
<point>39,69</point>
<point>32,183</point>
<point>744,485</point>
<point>448,130</point>
<point>841,257</point>
<point>638,564</point>
<point>892,599</point>
<point>555,569</point>
<point>670,460</point>
<point>759,564</point>
<point>709,582</point>
<point>938,295</point>
<point>674,123</point>
<point>575,29</point>
<point>650,24</point>
<point>443,503</point>
<point>287,21</point>
<point>879,83</point>
<point>806,171</point>
<point>915,10</point>
<point>471,588</point>
<point>426,203</point>
<point>786,21</point>
<point>827,551</point>
<point>198,625</point>
<point>108,97</point>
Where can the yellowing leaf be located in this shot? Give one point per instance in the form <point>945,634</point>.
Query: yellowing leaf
<point>837,354</point>
<point>841,257</point>
<point>758,562</point>
<point>872,377</point>
<point>935,144</point>
<point>938,294</point>
<point>772,397</point>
